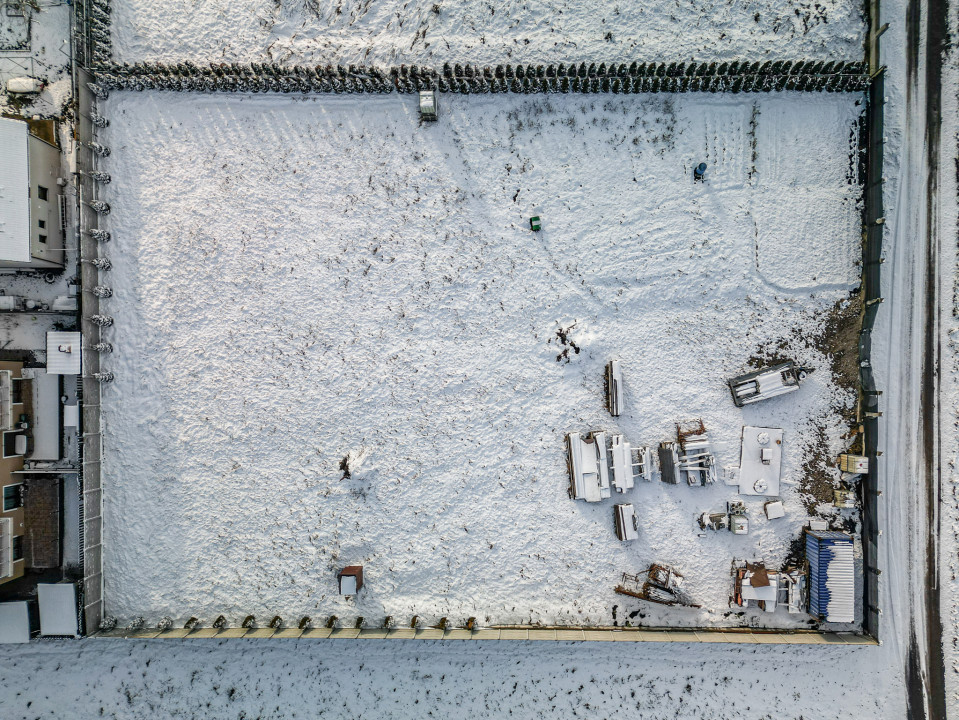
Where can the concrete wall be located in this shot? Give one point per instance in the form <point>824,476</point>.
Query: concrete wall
<point>88,389</point>
<point>44,171</point>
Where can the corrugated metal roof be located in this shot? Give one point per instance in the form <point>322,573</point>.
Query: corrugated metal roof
<point>14,186</point>
<point>832,575</point>
<point>63,353</point>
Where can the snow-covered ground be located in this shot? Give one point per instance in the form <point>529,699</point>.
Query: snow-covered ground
<point>435,31</point>
<point>297,280</point>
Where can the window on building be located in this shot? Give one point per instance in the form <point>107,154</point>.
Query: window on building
<point>43,239</point>
<point>10,444</point>
<point>18,548</point>
<point>43,223</point>
<point>42,192</point>
<point>12,497</point>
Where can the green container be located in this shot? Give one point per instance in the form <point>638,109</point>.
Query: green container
<point>534,223</point>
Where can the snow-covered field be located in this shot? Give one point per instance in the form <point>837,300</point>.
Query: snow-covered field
<point>299,279</point>
<point>283,679</point>
<point>478,31</point>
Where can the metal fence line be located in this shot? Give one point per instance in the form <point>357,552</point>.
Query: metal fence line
<point>873,225</point>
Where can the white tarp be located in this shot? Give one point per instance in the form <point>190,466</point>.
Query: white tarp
<point>14,187</point>
<point>622,464</point>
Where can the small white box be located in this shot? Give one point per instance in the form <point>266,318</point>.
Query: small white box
<point>775,510</point>
<point>766,455</point>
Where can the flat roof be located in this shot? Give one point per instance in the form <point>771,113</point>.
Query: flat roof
<point>14,188</point>
<point>64,353</point>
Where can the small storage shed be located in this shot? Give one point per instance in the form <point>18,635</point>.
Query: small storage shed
<point>614,388</point>
<point>351,580</point>
<point>588,467</point>
<point>760,461</point>
<point>832,581</point>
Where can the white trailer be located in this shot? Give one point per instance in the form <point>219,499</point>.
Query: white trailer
<point>767,383</point>
<point>588,467</point>
<point>622,463</point>
<point>760,461</point>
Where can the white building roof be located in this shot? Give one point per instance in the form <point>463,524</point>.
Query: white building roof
<point>14,188</point>
<point>761,459</point>
<point>63,353</point>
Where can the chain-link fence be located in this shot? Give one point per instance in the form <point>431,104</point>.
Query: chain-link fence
<point>579,78</point>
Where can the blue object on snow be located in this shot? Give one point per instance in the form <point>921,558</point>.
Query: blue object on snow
<point>699,172</point>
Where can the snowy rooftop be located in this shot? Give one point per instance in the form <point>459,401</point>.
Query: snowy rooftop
<point>14,188</point>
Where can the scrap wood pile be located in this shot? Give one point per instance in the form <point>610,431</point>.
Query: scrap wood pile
<point>659,584</point>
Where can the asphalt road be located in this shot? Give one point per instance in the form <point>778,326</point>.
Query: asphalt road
<point>925,665</point>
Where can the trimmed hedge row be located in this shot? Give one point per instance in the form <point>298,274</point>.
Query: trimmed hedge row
<point>93,16</point>
<point>576,78</point>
